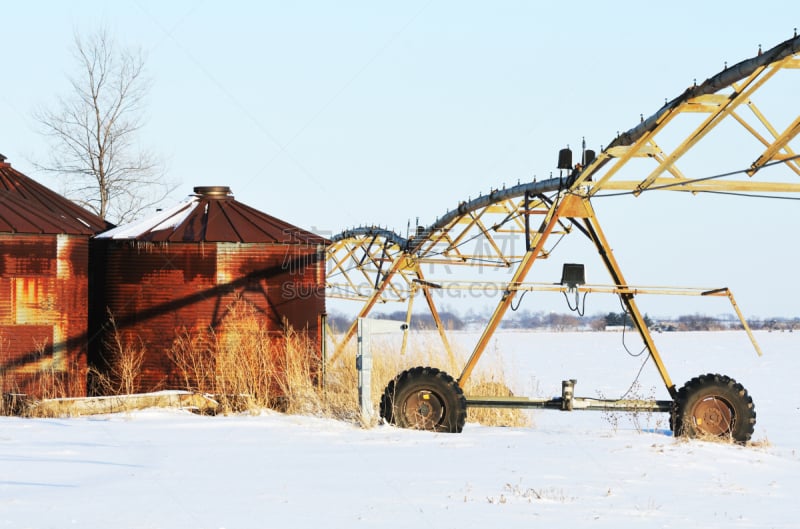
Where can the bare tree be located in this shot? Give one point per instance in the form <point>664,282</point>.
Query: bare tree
<point>93,133</point>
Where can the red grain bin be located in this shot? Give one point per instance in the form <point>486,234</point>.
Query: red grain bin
<point>182,271</point>
<point>44,260</point>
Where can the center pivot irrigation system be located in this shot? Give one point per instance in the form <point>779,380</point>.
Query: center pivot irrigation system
<point>374,265</point>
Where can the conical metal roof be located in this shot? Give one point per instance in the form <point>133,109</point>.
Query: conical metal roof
<point>212,215</point>
<point>18,215</point>
<point>41,197</point>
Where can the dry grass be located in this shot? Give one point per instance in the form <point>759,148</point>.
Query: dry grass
<point>760,443</point>
<point>342,377</point>
<point>245,367</point>
<point>48,376</point>
<point>486,386</point>
<point>53,381</point>
<point>643,420</point>
<point>124,358</point>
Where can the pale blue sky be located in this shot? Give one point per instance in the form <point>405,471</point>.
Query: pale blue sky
<point>334,114</point>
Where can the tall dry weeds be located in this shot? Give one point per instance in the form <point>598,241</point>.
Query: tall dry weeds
<point>341,380</point>
<point>54,376</point>
<point>247,367</point>
<point>49,376</point>
<point>124,358</point>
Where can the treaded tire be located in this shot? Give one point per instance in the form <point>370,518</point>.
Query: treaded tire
<point>714,406</point>
<point>424,398</point>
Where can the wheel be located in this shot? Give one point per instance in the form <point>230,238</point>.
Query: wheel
<point>714,406</point>
<point>425,398</point>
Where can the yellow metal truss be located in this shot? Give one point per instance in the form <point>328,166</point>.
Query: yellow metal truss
<point>513,228</point>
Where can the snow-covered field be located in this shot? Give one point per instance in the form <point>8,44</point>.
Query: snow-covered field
<point>172,469</point>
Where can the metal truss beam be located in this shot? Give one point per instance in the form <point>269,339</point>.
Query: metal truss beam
<point>512,228</point>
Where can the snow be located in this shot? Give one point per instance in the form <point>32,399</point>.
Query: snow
<point>173,469</point>
<point>169,218</point>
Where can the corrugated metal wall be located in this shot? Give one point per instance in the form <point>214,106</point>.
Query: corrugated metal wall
<point>155,291</point>
<point>43,314</point>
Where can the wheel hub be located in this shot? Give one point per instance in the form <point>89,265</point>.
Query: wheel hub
<point>713,415</point>
<point>424,409</point>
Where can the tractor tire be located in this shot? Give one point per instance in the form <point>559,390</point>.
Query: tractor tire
<point>424,398</point>
<point>714,406</point>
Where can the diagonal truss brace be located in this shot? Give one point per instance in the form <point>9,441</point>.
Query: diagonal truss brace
<point>532,213</point>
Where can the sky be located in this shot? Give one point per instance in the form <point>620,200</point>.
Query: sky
<point>332,115</point>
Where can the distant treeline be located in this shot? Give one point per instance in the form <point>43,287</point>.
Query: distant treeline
<point>569,322</point>
<point>450,320</point>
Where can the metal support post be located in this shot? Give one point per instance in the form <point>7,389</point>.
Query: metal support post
<point>604,249</point>
<point>366,327</point>
<point>568,394</point>
<point>364,369</point>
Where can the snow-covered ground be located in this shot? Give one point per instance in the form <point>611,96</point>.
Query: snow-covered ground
<point>172,469</point>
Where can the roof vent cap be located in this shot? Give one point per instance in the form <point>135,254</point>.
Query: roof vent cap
<point>216,192</point>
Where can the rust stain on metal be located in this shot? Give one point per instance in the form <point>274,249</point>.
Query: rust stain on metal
<point>157,292</point>
<point>184,271</point>
<point>44,299</point>
<point>44,314</point>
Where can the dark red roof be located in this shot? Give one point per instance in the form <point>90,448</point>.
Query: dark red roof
<point>16,183</point>
<point>212,215</point>
<point>18,215</point>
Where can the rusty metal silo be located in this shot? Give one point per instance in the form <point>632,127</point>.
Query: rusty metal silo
<point>44,255</point>
<point>183,269</point>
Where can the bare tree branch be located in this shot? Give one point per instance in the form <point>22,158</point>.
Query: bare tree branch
<point>93,133</point>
